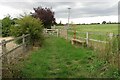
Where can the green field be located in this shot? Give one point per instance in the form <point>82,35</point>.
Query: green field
<point>103,28</point>
<point>59,59</point>
<point>99,32</point>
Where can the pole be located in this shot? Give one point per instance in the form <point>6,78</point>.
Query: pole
<point>4,51</point>
<point>23,42</point>
<point>68,16</point>
<point>87,38</point>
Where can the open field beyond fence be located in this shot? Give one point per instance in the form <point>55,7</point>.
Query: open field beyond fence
<point>94,34</point>
<point>102,28</point>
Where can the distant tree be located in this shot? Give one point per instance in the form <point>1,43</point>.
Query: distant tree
<point>83,23</point>
<point>95,23</point>
<point>6,24</point>
<point>104,22</point>
<point>60,23</point>
<point>46,15</point>
<point>98,23</point>
<point>78,24</point>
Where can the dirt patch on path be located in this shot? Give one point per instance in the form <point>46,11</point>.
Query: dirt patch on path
<point>9,45</point>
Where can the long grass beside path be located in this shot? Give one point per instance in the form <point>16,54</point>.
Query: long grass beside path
<point>59,59</point>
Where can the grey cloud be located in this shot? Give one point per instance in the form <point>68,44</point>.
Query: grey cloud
<point>91,9</point>
<point>85,9</point>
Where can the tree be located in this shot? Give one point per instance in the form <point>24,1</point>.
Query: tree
<point>6,23</point>
<point>13,21</point>
<point>46,15</point>
<point>60,23</point>
<point>29,25</point>
<point>104,22</point>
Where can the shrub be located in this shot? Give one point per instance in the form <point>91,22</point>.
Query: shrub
<point>6,23</point>
<point>28,25</point>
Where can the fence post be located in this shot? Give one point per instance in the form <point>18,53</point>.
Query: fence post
<point>57,32</point>
<point>67,34</point>
<point>110,47</point>
<point>87,38</point>
<point>110,40</point>
<point>118,53</point>
<point>46,30</point>
<point>111,36</point>
<point>23,42</point>
<point>4,51</point>
<point>60,32</point>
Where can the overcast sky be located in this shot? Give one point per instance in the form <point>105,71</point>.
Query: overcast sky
<point>82,11</point>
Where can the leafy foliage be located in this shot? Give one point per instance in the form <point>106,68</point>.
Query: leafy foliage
<point>28,25</point>
<point>46,15</point>
<point>6,24</point>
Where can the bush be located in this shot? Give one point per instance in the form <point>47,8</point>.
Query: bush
<point>28,25</point>
<point>6,23</point>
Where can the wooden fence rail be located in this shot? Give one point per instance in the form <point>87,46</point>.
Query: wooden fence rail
<point>64,33</point>
<point>52,31</point>
<point>11,54</point>
<point>5,52</point>
<point>88,37</point>
<point>91,41</point>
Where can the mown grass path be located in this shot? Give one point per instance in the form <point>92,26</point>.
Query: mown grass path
<point>59,59</point>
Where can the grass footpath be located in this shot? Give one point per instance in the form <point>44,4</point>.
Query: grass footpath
<point>59,59</point>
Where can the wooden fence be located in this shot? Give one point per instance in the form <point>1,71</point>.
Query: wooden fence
<point>51,32</point>
<point>10,56</point>
<point>89,38</point>
<point>7,55</point>
<point>91,42</point>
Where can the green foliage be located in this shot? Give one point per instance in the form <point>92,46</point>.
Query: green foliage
<point>6,23</point>
<point>46,15</point>
<point>28,25</point>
